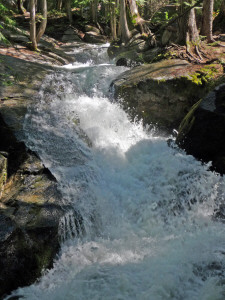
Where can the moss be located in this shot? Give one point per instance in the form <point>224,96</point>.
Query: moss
<point>204,75</point>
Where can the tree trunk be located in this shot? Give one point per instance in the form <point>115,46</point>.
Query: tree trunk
<point>94,11</point>
<point>188,31</point>
<point>113,20</point>
<point>33,25</point>
<point>207,20</point>
<point>43,24</point>
<point>21,8</point>
<point>68,10</point>
<point>125,32</point>
<point>140,23</point>
<point>59,5</point>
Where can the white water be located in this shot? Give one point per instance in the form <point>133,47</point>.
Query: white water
<point>147,208</point>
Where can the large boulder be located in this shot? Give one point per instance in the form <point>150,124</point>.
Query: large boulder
<point>94,38</point>
<point>202,131</point>
<point>162,93</point>
<point>91,28</point>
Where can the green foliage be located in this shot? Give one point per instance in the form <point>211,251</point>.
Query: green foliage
<point>6,79</point>
<point>204,75</point>
<point>6,18</point>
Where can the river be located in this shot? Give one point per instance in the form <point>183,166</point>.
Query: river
<point>149,231</point>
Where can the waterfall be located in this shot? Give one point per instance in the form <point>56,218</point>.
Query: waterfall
<point>147,208</point>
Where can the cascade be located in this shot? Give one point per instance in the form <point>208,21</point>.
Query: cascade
<point>147,208</point>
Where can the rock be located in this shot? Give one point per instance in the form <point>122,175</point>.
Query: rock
<point>70,35</point>
<point>31,212</point>
<point>137,43</point>
<point>129,59</point>
<point>123,62</point>
<point>31,209</point>
<point>202,131</point>
<point>222,37</point>
<point>18,38</point>
<point>89,28</point>
<point>162,93</point>
<point>93,37</point>
<point>166,37</point>
<point>149,55</point>
<point>169,35</point>
<point>115,49</point>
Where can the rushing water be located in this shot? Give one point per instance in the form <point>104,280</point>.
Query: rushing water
<point>147,207</point>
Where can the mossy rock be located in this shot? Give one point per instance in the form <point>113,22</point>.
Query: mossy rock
<point>162,93</point>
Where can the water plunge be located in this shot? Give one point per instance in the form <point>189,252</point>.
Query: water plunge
<point>147,209</point>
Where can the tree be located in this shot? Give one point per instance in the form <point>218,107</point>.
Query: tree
<point>140,23</point>
<point>21,8</point>
<point>113,20</point>
<point>94,11</point>
<point>125,32</point>
<point>68,10</point>
<point>187,28</point>
<point>33,24</point>
<point>35,35</point>
<point>207,20</point>
<point>59,5</point>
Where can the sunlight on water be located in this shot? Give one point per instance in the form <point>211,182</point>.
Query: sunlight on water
<point>147,208</point>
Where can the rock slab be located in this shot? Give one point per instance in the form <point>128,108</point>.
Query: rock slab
<point>160,93</point>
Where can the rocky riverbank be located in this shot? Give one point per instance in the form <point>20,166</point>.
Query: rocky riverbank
<point>31,205</point>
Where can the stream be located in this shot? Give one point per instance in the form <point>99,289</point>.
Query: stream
<point>149,231</point>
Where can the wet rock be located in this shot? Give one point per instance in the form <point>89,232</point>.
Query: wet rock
<point>93,37</point>
<point>31,212</point>
<point>31,205</point>
<point>161,93</point>
<point>126,62</point>
<point>202,131</point>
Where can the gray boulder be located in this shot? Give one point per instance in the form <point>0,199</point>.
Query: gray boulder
<point>94,38</point>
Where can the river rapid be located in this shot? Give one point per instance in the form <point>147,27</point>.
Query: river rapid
<point>148,209</point>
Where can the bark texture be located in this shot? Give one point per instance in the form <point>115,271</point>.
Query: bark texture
<point>207,20</point>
